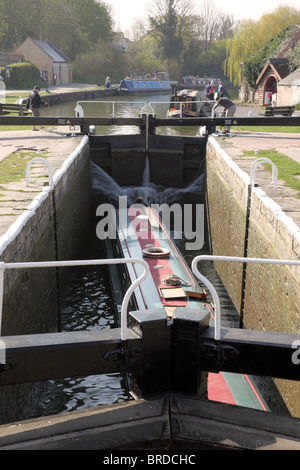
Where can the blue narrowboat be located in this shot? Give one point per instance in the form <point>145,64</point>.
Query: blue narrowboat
<point>158,82</point>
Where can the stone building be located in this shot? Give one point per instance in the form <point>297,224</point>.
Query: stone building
<point>48,59</point>
<point>275,72</point>
<point>289,90</point>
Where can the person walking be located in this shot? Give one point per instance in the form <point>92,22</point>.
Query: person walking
<point>35,103</point>
<point>229,107</point>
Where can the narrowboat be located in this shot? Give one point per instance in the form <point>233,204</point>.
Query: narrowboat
<point>189,103</point>
<point>158,82</point>
<point>171,284</point>
<point>197,83</point>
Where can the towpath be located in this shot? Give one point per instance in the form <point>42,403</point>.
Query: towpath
<point>55,143</point>
<point>285,143</point>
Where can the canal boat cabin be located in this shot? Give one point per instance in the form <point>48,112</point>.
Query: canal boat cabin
<point>189,103</point>
<point>158,83</point>
<point>197,83</point>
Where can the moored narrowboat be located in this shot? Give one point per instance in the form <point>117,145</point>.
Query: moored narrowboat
<point>197,83</point>
<point>189,103</point>
<point>158,83</point>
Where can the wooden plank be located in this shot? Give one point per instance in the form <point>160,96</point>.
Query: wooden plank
<point>121,425</point>
<point>251,352</point>
<point>147,424</point>
<point>32,358</point>
<point>202,424</point>
<point>56,355</point>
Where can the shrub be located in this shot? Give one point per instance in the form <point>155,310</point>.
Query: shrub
<point>23,75</point>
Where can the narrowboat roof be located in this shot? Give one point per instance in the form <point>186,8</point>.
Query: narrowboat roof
<point>145,231</point>
<point>197,82</point>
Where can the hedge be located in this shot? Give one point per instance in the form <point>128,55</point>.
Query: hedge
<point>22,76</point>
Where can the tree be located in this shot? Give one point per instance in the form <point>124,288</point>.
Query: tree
<point>250,36</point>
<point>170,22</point>
<point>63,30</point>
<point>94,19</point>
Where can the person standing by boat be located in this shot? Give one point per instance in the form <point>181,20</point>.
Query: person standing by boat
<point>209,92</point>
<point>221,90</point>
<point>229,107</point>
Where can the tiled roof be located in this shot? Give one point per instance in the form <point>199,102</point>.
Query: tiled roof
<point>291,80</point>
<point>52,51</point>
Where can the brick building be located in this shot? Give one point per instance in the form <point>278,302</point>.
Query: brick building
<point>48,59</point>
<point>275,70</point>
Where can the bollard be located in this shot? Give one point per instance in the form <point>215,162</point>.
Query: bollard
<point>150,374</point>
<point>187,376</point>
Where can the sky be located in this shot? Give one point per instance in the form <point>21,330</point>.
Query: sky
<point>125,11</point>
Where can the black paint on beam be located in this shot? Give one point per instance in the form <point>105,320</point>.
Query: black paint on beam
<point>251,352</point>
<point>32,358</point>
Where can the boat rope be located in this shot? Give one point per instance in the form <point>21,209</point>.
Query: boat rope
<point>173,280</point>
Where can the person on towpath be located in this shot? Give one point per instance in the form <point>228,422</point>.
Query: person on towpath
<point>34,104</point>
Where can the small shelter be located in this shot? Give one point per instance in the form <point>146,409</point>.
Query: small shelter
<point>275,70</point>
<point>53,64</point>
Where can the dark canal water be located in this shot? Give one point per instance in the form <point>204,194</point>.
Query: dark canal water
<point>88,303</point>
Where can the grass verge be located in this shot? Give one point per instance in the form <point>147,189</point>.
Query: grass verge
<point>12,167</point>
<point>280,129</point>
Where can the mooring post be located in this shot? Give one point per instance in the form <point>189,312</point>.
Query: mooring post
<point>187,376</point>
<point>151,372</point>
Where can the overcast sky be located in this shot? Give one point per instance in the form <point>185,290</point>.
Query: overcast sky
<point>125,11</point>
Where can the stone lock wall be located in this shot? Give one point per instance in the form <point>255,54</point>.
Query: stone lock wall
<point>272,293</point>
<point>52,228</point>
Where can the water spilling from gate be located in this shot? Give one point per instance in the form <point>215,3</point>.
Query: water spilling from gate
<point>89,303</point>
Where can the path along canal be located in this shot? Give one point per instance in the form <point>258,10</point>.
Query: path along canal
<point>88,303</point>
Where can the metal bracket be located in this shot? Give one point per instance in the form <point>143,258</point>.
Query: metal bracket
<point>121,355</point>
<point>219,354</point>
<point>8,365</point>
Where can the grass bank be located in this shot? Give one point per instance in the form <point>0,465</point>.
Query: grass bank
<point>288,169</point>
<point>12,167</point>
<point>279,129</point>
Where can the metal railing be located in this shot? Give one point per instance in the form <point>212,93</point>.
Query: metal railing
<point>141,278</point>
<point>96,262</point>
<point>213,291</point>
<point>79,112</point>
<point>39,160</point>
<point>258,162</point>
<point>183,104</point>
